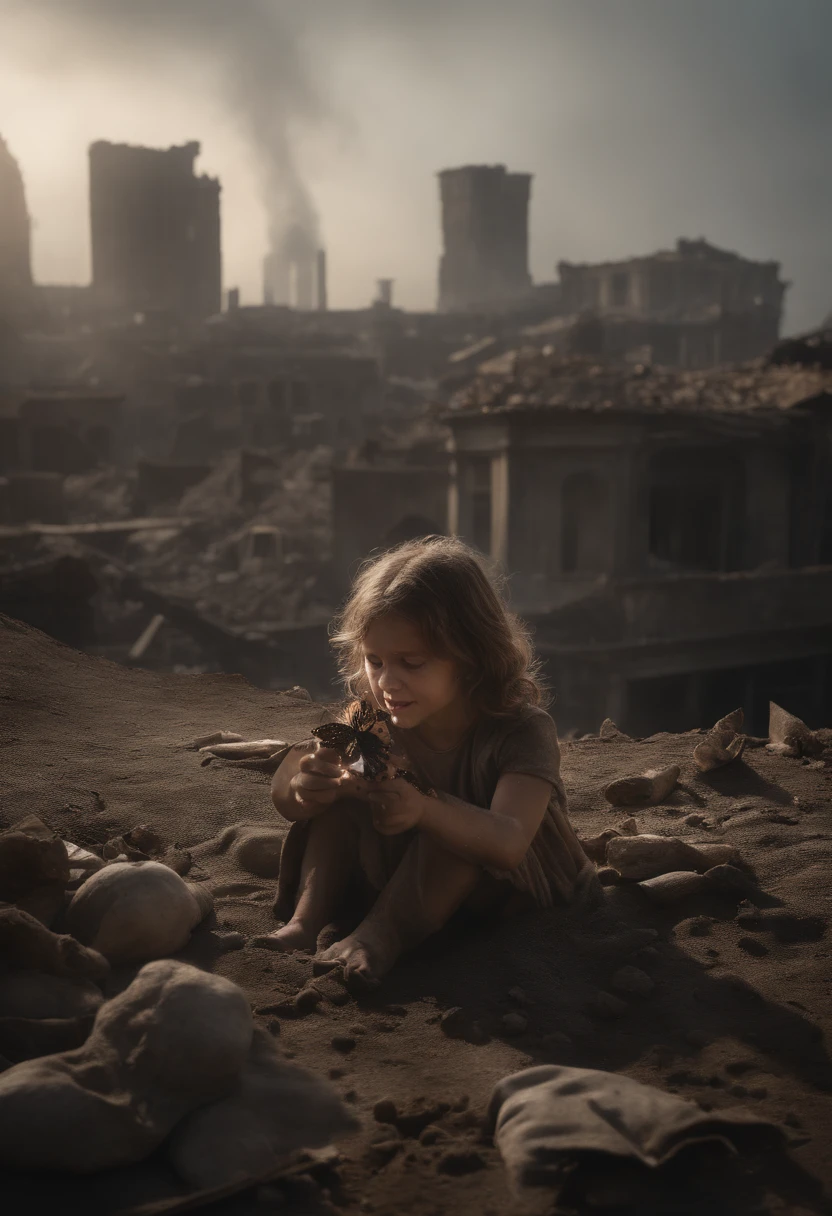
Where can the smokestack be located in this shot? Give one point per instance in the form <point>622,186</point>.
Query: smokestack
<point>233,299</point>
<point>385,292</point>
<point>321,269</point>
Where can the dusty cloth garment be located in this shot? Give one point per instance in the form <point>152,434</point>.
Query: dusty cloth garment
<point>555,870</point>
<point>544,1118</point>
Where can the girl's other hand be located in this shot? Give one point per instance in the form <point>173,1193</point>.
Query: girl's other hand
<point>397,806</point>
<point>319,780</point>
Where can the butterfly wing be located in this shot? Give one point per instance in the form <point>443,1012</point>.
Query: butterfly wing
<point>339,736</point>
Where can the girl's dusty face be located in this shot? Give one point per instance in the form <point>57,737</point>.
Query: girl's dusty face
<point>405,676</point>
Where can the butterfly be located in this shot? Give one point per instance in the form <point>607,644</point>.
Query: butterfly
<point>364,742</point>
<point>362,738</point>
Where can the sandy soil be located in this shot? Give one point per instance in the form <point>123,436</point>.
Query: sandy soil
<point>736,1016</point>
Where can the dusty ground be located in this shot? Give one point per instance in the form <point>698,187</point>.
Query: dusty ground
<point>737,1017</point>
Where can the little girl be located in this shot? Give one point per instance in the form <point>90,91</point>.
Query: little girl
<point>426,637</point>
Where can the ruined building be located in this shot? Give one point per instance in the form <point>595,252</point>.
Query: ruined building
<point>155,231</point>
<point>15,255</point>
<point>693,306</point>
<point>294,272</point>
<point>485,232</point>
<point>668,534</point>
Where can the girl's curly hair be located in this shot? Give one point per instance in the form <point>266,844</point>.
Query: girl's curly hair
<point>443,586</point>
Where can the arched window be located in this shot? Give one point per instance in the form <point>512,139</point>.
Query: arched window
<point>584,524</point>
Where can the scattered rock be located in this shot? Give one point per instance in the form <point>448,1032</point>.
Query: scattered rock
<point>695,821</point>
<point>696,926</point>
<point>217,736</point>
<point>518,996</point>
<point>628,827</point>
<point>722,744</point>
<point>385,1111</point>
<point>640,857</point>
<point>610,731</point>
<point>133,911</point>
<point>605,1005</point>
<point>632,981</point>
<point>648,790</point>
<point>458,1162</point>
<point>26,944</point>
<point>731,880</point>
<point>672,888</point>
<point>595,847</point>
<point>175,1039</point>
<point>514,1024</point>
<point>789,736</point>
<point>256,848</point>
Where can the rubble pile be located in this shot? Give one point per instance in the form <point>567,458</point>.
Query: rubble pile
<point>529,378</point>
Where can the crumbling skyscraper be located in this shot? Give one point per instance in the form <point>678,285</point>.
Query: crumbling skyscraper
<point>15,248</point>
<point>294,272</point>
<point>485,230</point>
<point>155,230</point>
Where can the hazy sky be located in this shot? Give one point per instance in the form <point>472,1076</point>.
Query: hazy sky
<point>641,120</point>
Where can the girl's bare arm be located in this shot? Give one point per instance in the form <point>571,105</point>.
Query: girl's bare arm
<point>499,836</point>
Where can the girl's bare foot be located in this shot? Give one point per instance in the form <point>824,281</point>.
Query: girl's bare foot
<point>295,935</point>
<point>366,955</point>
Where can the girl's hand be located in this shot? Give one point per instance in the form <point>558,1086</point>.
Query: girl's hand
<point>397,806</point>
<point>319,779</point>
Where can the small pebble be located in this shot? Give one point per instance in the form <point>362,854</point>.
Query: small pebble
<point>695,821</point>
<point>632,981</point>
<point>457,1163</point>
<point>514,1023</point>
<point>343,1043</point>
<point>385,1111</point>
<point>751,945</point>
<point>518,996</point>
<point>605,1005</point>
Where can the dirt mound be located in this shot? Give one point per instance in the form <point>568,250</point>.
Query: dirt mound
<point>731,1008</point>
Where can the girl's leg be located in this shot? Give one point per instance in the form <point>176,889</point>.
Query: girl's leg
<point>428,886</point>
<point>329,860</point>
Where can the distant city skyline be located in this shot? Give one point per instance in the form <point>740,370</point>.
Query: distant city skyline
<point>641,122</point>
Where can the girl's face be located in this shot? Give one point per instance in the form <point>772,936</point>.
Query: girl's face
<point>405,677</point>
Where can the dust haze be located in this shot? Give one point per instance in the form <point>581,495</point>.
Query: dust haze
<point>641,122</point>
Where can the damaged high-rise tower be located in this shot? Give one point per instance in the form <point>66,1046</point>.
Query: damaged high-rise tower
<point>15,255</point>
<point>155,230</point>
<point>294,272</point>
<point>485,230</point>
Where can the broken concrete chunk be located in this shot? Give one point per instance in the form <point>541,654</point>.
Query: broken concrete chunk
<point>610,731</point>
<point>255,749</point>
<point>82,863</point>
<point>135,911</point>
<point>789,736</point>
<point>646,856</point>
<point>628,827</point>
<point>639,857</point>
<point>648,790</point>
<point>175,1039</point>
<point>674,887</point>
<point>217,736</point>
<point>273,1110</point>
<point>732,880</point>
<point>717,749</point>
